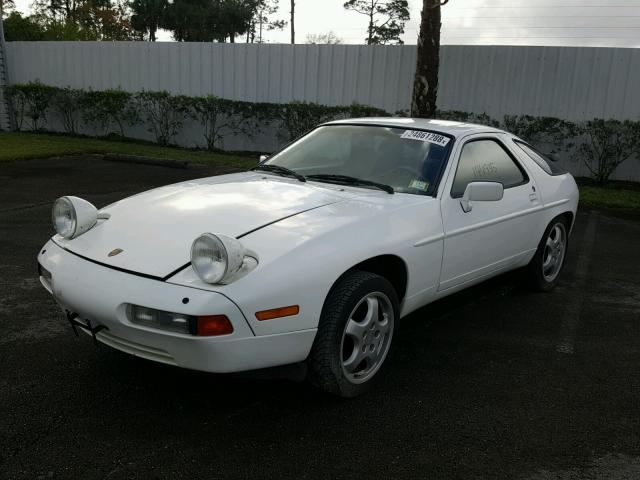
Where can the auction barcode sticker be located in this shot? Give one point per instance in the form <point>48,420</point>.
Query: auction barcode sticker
<point>426,137</point>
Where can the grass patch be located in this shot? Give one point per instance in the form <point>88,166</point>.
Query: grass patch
<point>610,197</point>
<point>23,146</point>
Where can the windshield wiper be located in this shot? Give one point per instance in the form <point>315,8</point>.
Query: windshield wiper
<point>346,179</point>
<point>277,169</point>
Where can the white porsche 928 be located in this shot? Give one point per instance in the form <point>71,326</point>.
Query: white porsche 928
<point>316,253</point>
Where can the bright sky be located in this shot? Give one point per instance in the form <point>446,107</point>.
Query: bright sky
<point>496,22</point>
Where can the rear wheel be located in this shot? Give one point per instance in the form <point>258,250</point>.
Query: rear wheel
<point>545,267</point>
<point>354,335</point>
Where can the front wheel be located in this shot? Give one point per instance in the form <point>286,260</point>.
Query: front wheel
<point>545,267</point>
<point>354,335</point>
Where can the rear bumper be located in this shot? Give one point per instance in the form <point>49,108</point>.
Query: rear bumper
<point>100,294</point>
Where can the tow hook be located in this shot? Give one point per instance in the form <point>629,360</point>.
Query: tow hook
<point>75,324</point>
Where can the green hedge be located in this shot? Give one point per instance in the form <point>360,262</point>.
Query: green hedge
<point>164,115</point>
<point>602,145</point>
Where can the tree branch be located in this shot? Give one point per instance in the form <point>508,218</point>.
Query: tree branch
<point>441,4</point>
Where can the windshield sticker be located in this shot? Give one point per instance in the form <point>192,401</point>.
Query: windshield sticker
<point>426,137</point>
<point>419,185</point>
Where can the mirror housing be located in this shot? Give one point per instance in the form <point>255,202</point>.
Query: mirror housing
<point>481,192</point>
<point>262,158</point>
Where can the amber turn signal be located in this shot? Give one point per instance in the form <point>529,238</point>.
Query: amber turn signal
<point>212,325</point>
<point>278,312</point>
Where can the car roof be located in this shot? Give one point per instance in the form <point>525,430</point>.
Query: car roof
<point>444,126</point>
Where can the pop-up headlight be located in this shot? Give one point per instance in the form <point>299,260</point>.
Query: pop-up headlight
<point>219,259</point>
<point>73,216</point>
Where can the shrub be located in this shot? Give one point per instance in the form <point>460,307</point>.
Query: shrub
<point>67,103</point>
<point>547,133</point>
<point>104,108</point>
<point>357,110</point>
<point>217,115</point>
<point>608,144</point>
<point>467,117</point>
<point>164,113</point>
<point>17,104</point>
<point>31,100</point>
<point>297,118</point>
<point>452,115</point>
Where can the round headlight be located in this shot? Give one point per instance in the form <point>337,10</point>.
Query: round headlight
<point>216,257</point>
<point>64,217</point>
<point>72,216</point>
<point>209,258</point>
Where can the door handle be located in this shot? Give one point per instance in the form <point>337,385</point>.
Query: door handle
<point>533,197</point>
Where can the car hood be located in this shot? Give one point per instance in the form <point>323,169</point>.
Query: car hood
<point>155,229</point>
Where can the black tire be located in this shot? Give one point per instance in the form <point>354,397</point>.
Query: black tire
<point>325,362</point>
<point>535,277</point>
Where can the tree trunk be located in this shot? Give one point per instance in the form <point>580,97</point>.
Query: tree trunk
<point>152,34</point>
<point>425,84</point>
<point>293,27</point>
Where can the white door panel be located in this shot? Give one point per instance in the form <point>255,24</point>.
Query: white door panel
<point>493,236</point>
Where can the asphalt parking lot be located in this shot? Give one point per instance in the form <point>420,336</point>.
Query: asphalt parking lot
<point>494,382</point>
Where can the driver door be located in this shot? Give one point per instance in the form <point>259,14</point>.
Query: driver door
<point>494,235</point>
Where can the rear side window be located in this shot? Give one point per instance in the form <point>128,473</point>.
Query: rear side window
<point>546,164</point>
<point>485,161</point>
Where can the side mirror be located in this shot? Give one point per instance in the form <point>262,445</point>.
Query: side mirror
<point>481,192</point>
<point>262,158</point>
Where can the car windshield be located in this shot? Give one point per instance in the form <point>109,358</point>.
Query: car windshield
<point>408,160</point>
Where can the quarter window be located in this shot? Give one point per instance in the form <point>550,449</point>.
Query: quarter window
<point>485,161</point>
<point>543,162</point>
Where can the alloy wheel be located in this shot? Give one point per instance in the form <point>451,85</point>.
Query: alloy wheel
<point>367,337</point>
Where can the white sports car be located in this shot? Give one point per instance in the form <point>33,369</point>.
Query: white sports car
<point>316,253</point>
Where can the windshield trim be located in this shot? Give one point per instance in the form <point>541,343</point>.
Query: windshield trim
<point>433,188</point>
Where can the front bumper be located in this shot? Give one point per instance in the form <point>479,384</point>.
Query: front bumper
<point>100,294</point>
